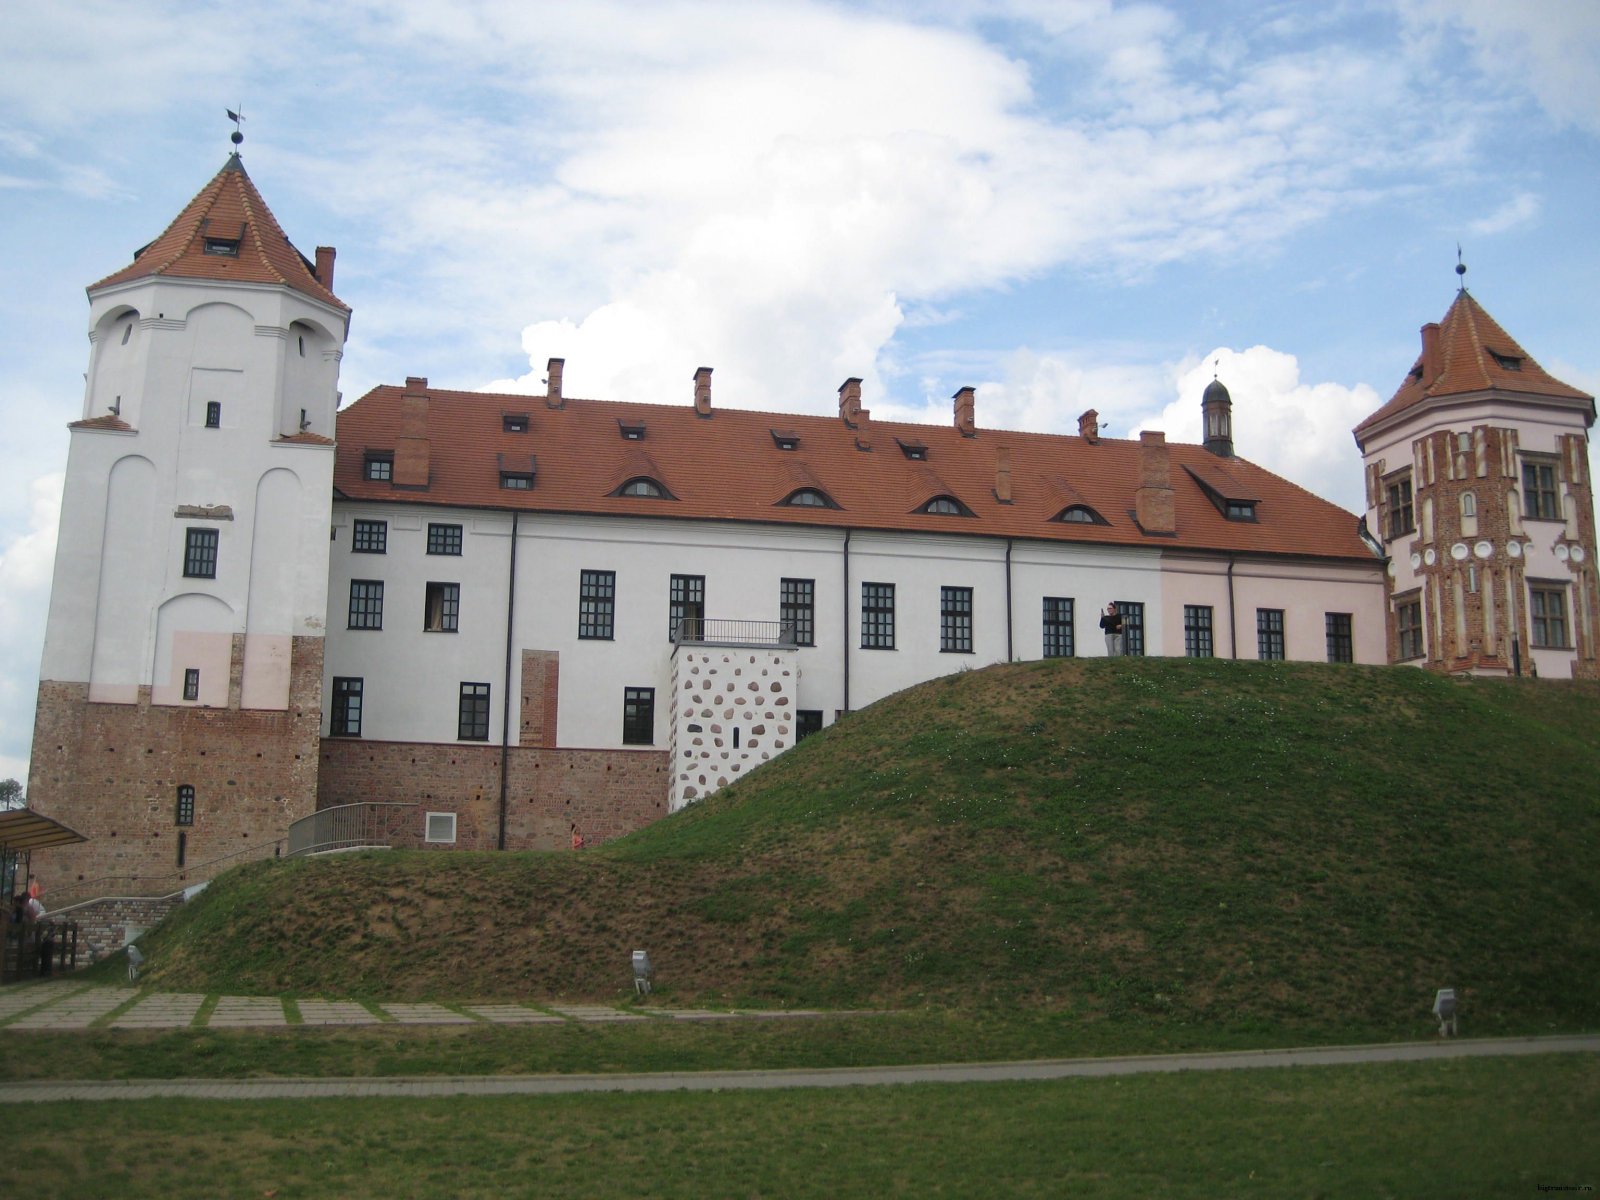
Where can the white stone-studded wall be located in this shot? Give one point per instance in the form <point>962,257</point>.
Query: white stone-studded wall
<point>732,709</point>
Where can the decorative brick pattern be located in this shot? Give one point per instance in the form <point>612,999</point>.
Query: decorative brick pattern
<point>541,672</point>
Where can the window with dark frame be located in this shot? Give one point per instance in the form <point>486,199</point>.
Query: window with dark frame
<point>366,604</point>
<point>797,609</point>
<point>877,616</point>
<point>517,481</point>
<point>955,620</point>
<point>184,815</point>
<point>514,422</point>
<point>1197,631</point>
<point>200,554</point>
<point>346,716</point>
<point>1402,517</point>
<point>1058,632</point>
<point>1341,641</point>
<point>191,683</point>
<point>1269,634</point>
<point>638,716</point>
<point>444,539</point>
<point>646,488</point>
<point>183,847</point>
<point>1540,500</point>
<point>473,714</point>
<point>1132,626</point>
<point>597,603</point>
<point>441,608</point>
<point>378,467</point>
<point>370,537</point>
<point>213,414</point>
<point>686,607</point>
<point>806,722</point>
<point>1408,629</point>
<point>1547,611</point>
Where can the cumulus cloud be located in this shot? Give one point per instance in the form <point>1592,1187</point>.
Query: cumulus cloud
<point>1518,211</point>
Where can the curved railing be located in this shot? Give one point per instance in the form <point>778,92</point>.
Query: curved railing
<point>372,824</point>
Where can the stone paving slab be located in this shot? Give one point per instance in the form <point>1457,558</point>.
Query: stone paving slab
<point>244,1012</point>
<point>21,997</point>
<point>591,1014</point>
<point>77,1010</point>
<point>511,1014</point>
<point>162,1010</point>
<point>424,1014</point>
<point>699,1014</point>
<point>336,1012</point>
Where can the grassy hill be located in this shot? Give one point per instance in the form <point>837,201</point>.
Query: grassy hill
<point>1181,843</point>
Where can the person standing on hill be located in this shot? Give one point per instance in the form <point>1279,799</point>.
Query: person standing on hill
<point>1111,622</point>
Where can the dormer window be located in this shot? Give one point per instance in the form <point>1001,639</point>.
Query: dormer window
<point>913,450</point>
<point>946,506</point>
<point>514,422</point>
<point>785,439</point>
<point>645,488</point>
<point>1240,510</point>
<point>517,481</point>
<point>632,431</point>
<point>1506,362</point>
<point>1080,514</point>
<point>222,247</point>
<point>378,466</point>
<point>809,498</point>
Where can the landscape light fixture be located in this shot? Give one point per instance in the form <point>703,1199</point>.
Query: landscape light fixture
<point>1444,1008</point>
<point>135,961</point>
<point>641,973</point>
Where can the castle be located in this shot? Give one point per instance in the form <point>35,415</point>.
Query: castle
<point>540,617</point>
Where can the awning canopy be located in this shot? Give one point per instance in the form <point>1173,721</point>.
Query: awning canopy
<point>24,829</point>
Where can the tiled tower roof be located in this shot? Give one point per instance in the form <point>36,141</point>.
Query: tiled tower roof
<point>246,243</point>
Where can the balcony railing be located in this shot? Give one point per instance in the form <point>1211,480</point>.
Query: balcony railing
<point>715,631</point>
<point>368,825</point>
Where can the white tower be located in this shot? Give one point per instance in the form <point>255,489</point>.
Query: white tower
<point>179,695</point>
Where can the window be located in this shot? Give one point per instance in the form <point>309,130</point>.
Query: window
<point>371,537</point>
<point>222,247</point>
<point>183,847</point>
<point>877,616</point>
<point>200,554</point>
<point>440,828</point>
<point>809,498</point>
<point>191,684</point>
<point>1341,645</point>
<point>955,620</point>
<point>366,604</point>
<point>1508,362</point>
<point>441,608</point>
<point>631,430</point>
<point>648,488</point>
<point>807,722</point>
<point>1540,502</point>
<point>473,723</point>
<point>444,539</point>
<point>597,602</point>
<point>1197,631</point>
<point>1080,514</point>
<point>517,481</point>
<point>379,467</point>
<point>638,716</point>
<point>213,414</point>
<point>1240,510</point>
<point>946,506</point>
<point>1408,629</point>
<point>346,708</point>
<point>1132,626</point>
<point>1058,627</point>
<point>1401,517</point>
<point>1548,609</point>
<point>185,810</point>
<point>785,439</point>
<point>913,450</point>
<point>1469,504</point>
<point>514,422</point>
<point>686,607</point>
<point>1269,633</point>
<point>797,610</point>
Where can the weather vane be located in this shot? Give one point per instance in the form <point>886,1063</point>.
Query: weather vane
<point>1461,269</point>
<point>237,118</point>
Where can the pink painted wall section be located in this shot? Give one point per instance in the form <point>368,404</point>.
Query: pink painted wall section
<point>209,653</point>
<point>266,671</point>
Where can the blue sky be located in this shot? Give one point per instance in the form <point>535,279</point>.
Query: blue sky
<point>1067,205</point>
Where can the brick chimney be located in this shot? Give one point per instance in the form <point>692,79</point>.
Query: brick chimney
<point>411,450</point>
<point>552,394</point>
<point>1002,475</point>
<point>325,257</point>
<point>850,401</point>
<point>966,412</point>
<point>1089,426</point>
<point>1152,502</point>
<point>702,392</point>
<point>1430,353</point>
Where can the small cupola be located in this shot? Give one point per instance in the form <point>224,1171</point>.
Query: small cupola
<point>1217,406</point>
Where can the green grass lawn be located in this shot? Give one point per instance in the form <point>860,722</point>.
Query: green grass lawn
<point>1465,1128</point>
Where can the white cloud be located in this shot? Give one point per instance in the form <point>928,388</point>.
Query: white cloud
<point>26,563</point>
<point>1518,211</point>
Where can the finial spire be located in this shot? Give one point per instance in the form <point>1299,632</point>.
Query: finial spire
<point>1461,269</point>
<point>237,136</point>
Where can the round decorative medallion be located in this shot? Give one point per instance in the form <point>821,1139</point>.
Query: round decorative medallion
<point>1483,549</point>
<point>1459,551</point>
<point>1416,560</point>
<point>1562,552</point>
<point>1391,568</point>
<point>1430,557</point>
<point>1577,554</point>
<point>1514,549</point>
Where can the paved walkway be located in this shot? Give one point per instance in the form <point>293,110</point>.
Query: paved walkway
<point>66,1004</point>
<point>705,1081</point>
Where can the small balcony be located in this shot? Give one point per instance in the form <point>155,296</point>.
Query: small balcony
<point>718,631</point>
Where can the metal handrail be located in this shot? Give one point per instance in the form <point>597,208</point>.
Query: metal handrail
<point>96,889</point>
<point>720,631</point>
<point>368,824</point>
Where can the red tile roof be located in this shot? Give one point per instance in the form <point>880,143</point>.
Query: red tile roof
<point>729,468</point>
<point>228,208</point>
<point>108,421</point>
<point>1473,354</point>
